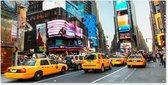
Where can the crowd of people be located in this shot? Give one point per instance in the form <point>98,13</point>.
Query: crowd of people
<point>158,57</point>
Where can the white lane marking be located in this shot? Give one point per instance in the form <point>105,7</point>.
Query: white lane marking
<point>128,76</point>
<point>57,76</point>
<point>108,75</point>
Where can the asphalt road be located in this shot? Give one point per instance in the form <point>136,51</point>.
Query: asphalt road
<point>153,73</point>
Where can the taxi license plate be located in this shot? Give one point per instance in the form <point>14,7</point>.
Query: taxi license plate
<point>134,60</point>
<point>13,70</point>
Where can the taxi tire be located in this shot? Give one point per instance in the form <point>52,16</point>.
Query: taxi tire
<point>128,66</point>
<point>102,69</point>
<point>78,67</point>
<point>63,70</point>
<point>38,75</point>
<point>86,70</point>
<point>144,66</point>
<point>110,67</point>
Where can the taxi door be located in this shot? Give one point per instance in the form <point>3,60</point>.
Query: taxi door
<point>44,65</point>
<point>54,67</point>
<point>105,61</point>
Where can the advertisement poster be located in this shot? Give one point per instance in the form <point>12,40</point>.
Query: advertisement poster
<point>121,5</point>
<point>41,36</point>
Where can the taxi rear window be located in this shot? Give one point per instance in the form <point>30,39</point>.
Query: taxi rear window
<point>90,57</point>
<point>116,56</point>
<point>28,63</point>
<point>134,56</point>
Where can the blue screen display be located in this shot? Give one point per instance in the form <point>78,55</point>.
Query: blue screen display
<point>121,5</point>
<point>124,28</point>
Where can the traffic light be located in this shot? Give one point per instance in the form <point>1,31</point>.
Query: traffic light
<point>161,39</point>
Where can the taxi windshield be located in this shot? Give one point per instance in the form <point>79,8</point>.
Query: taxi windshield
<point>28,63</point>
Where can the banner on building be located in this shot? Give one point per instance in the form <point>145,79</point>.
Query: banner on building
<point>125,35</point>
<point>41,37</point>
<point>124,28</point>
<point>122,20</point>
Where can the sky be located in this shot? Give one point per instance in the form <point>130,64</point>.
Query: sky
<point>105,9</point>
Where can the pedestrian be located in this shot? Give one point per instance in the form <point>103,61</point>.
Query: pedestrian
<point>154,56</point>
<point>157,57</point>
<point>161,59</point>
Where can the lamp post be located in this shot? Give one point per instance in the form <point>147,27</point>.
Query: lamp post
<point>19,5</point>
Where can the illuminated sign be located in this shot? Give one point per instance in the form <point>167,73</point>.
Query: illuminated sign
<point>121,5</point>
<point>125,35</point>
<point>50,4</point>
<point>122,20</point>
<point>157,16</point>
<point>124,28</point>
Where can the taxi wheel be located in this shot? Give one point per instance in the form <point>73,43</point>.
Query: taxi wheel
<point>63,70</point>
<point>78,67</point>
<point>128,66</point>
<point>86,70</point>
<point>110,67</point>
<point>144,66</point>
<point>102,69</point>
<point>38,75</point>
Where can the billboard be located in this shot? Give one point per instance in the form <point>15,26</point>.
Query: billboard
<point>93,41</point>
<point>124,28</point>
<point>50,4</point>
<point>56,28</point>
<point>122,20</point>
<point>69,30</point>
<point>125,35</point>
<point>41,37</point>
<point>60,28</point>
<point>79,32</point>
<point>121,5</point>
<point>125,47</point>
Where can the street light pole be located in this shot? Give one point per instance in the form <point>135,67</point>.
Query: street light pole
<point>17,36</point>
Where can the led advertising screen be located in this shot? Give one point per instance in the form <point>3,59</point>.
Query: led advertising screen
<point>41,36</point>
<point>121,5</point>
<point>70,30</point>
<point>122,20</point>
<point>125,35</point>
<point>124,28</point>
<point>60,28</point>
<point>79,32</point>
<point>125,47</point>
<point>56,28</point>
<point>93,41</point>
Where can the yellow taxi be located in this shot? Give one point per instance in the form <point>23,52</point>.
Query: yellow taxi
<point>96,61</point>
<point>118,59</point>
<point>136,60</point>
<point>35,68</point>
